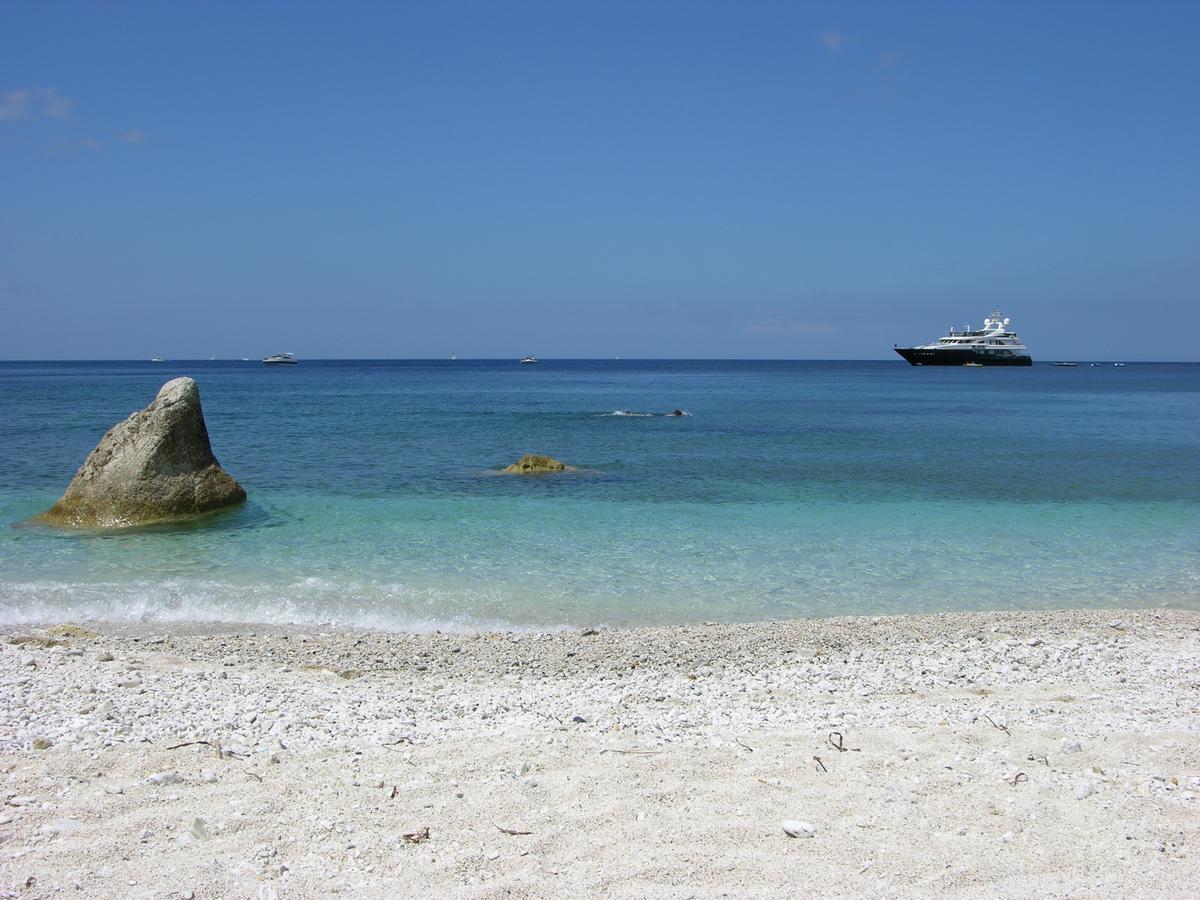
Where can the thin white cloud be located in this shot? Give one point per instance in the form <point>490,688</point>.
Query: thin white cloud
<point>833,39</point>
<point>14,105</point>
<point>55,105</point>
<point>90,144</point>
<point>788,327</point>
<point>24,104</point>
<point>133,136</point>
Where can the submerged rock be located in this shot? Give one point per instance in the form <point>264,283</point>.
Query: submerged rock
<point>155,466</point>
<point>533,464</point>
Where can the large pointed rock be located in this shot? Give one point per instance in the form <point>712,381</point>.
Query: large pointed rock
<point>155,466</point>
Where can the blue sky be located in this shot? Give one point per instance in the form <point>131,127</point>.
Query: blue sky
<point>663,179</point>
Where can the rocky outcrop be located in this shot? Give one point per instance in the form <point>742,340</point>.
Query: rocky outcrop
<point>533,464</point>
<point>155,466</point>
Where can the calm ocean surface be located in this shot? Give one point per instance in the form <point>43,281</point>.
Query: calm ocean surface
<point>791,489</point>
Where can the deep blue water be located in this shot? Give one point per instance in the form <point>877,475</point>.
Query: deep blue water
<point>790,489</point>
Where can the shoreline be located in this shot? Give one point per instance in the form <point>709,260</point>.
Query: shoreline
<point>1003,753</point>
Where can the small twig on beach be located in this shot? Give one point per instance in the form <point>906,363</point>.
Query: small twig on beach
<point>820,763</point>
<point>193,744</point>
<point>631,752</point>
<point>1043,759</point>
<point>742,743</point>
<point>392,796</point>
<point>839,744</point>
<point>222,753</point>
<point>351,674</point>
<point>1017,779</point>
<point>416,837</point>
<point>512,830</point>
<point>992,721</point>
<point>255,776</point>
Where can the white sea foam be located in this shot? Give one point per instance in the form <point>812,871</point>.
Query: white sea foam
<point>308,601</point>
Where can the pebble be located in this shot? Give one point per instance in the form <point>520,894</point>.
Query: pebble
<point>1084,789</point>
<point>797,829</point>
<point>61,826</point>
<point>162,778</point>
<point>104,656</point>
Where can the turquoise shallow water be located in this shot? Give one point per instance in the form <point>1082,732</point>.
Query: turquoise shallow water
<point>791,489</point>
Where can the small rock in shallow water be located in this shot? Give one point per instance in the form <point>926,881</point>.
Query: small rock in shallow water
<point>796,829</point>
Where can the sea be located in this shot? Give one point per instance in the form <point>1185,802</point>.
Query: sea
<point>788,489</point>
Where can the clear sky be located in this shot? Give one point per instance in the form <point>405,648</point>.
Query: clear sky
<point>575,179</point>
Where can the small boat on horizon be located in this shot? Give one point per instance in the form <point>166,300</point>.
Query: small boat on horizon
<point>281,359</point>
<point>528,360</point>
<point>1066,365</point>
<point>992,345</point>
<point>157,359</point>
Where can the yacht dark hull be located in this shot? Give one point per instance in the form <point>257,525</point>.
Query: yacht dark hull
<point>920,357</point>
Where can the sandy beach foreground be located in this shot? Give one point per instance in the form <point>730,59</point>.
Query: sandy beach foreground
<point>1010,754</point>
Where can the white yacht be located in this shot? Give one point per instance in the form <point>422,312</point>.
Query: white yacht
<point>995,344</point>
<point>281,359</point>
<point>528,360</point>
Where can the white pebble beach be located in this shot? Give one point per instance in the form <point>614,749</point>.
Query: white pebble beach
<point>989,754</point>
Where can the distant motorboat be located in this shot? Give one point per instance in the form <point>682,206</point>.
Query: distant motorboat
<point>453,356</point>
<point>1066,365</point>
<point>1118,365</point>
<point>972,365</point>
<point>528,360</point>
<point>281,359</point>
<point>157,359</point>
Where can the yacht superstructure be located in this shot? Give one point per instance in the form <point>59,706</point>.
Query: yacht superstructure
<point>995,344</point>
